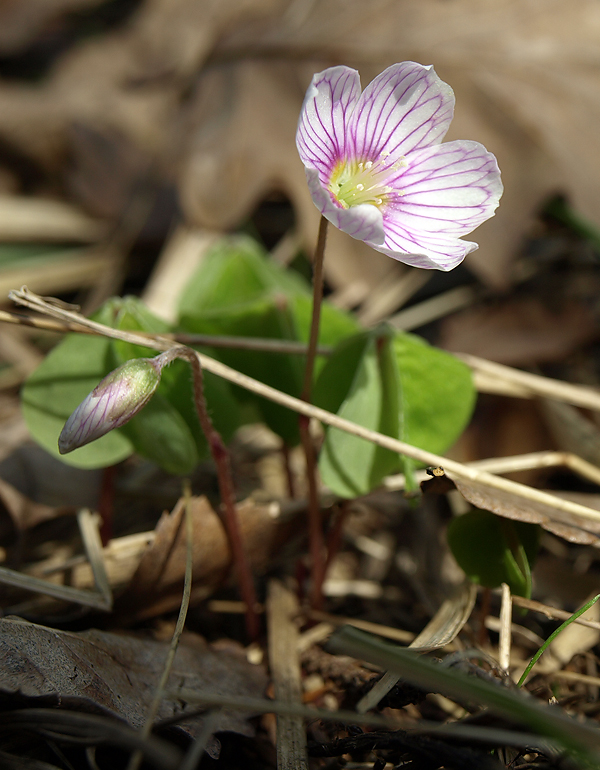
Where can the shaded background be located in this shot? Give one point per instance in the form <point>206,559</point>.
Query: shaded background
<point>144,114</point>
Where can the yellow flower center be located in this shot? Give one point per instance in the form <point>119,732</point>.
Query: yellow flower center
<point>353,183</point>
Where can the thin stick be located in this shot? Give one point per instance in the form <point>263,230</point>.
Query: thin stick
<point>315,519</point>
<point>505,628</point>
<point>262,344</point>
<point>524,384</point>
<point>459,470</point>
<point>526,462</point>
<point>552,612</point>
<point>434,308</point>
<point>540,386</point>
<point>553,636</point>
<point>266,706</point>
<point>137,757</point>
<point>284,663</point>
<point>397,634</point>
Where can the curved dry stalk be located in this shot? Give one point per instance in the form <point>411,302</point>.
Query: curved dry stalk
<point>495,378</point>
<point>526,462</point>
<point>458,470</point>
<point>136,757</point>
<point>536,384</point>
<point>259,344</point>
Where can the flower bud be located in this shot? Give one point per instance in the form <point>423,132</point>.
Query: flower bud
<point>112,403</point>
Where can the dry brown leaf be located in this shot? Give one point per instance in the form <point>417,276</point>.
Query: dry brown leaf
<point>442,629</point>
<point>23,512</point>
<point>105,167</point>
<point>118,674</point>
<point>572,430</point>
<point>156,585</point>
<point>174,37</point>
<point>21,21</point>
<point>563,523</point>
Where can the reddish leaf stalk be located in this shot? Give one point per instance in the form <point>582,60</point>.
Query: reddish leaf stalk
<point>228,514</point>
<point>289,474</point>
<point>334,539</point>
<point>315,519</point>
<point>106,503</point>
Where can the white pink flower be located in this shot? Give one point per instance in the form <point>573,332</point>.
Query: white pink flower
<point>377,169</point>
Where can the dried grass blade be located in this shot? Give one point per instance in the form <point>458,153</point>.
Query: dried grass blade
<point>282,609</point>
<point>65,593</point>
<point>90,535</point>
<point>442,629</point>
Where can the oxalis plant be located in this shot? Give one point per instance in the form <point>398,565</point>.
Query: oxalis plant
<point>376,169</point>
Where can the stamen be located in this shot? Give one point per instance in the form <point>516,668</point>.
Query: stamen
<point>356,182</point>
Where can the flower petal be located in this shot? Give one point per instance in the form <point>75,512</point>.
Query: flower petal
<point>406,108</point>
<point>364,222</point>
<point>420,249</point>
<point>322,127</point>
<point>451,188</point>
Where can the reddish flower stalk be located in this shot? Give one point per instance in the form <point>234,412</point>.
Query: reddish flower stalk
<point>315,519</point>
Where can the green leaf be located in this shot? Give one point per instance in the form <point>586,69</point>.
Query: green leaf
<point>234,274</point>
<point>130,314</point>
<point>438,395</point>
<point>335,326</point>
<point>160,433</point>
<point>494,550</point>
<point>334,382</point>
<point>398,385</point>
<point>239,291</point>
<point>349,465</point>
<point>61,382</point>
